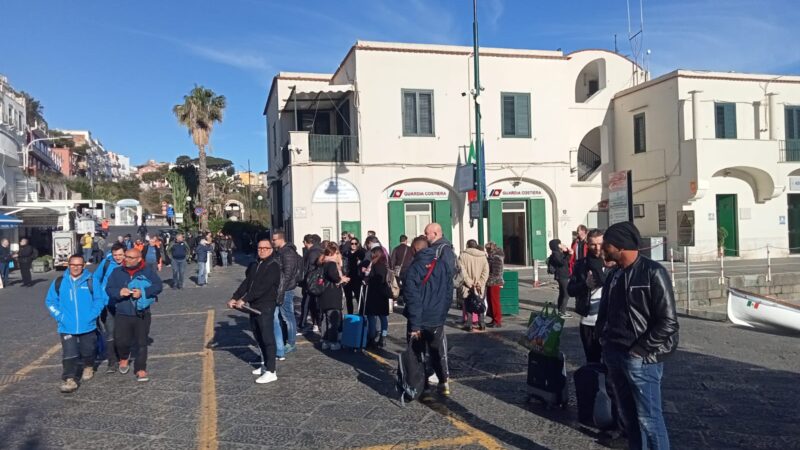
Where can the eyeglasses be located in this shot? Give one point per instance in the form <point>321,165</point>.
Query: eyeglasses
<point>131,257</point>
<point>265,248</point>
<point>354,244</point>
<point>76,265</point>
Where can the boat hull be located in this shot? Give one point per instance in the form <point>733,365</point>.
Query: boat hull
<point>755,311</point>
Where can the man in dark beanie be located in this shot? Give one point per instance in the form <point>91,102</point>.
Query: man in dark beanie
<point>638,328</point>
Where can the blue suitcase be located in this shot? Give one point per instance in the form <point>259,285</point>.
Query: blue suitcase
<point>354,326</point>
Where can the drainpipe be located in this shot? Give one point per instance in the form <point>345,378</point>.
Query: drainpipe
<point>696,117</point>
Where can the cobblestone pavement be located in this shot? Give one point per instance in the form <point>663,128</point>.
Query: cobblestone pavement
<point>725,388</point>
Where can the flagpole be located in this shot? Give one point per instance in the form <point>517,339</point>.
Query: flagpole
<point>478,137</point>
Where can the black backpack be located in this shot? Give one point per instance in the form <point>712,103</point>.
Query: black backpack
<point>551,269</point>
<point>411,371</point>
<point>315,281</point>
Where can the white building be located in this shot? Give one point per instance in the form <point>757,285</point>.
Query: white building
<point>12,142</point>
<point>375,145</point>
<point>724,145</point>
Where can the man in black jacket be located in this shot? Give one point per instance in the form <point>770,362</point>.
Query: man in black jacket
<point>638,328</point>
<point>586,285</point>
<point>259,291</point>
<point>290,268</point>
<point>312,250</point>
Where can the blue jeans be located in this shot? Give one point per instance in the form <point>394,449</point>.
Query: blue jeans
<point>278,332</point>
<point>224,257</point>
<point>372,332</point>
<point>4,273</point>
<point>201,272</point>
<point>287,314</point>
<point>178,270</point>
<point>87,255</point>
<point>637,388</point>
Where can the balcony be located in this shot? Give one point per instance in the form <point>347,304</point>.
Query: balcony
<point>789,150</point>
<point>321,148</point>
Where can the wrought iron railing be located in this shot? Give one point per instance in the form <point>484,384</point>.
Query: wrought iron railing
<point>332,148</point>
<point>789,150</point>
<point>588,162</point>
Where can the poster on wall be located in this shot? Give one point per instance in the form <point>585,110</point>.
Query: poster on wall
<point>335,190</point>
<point>620,196</point>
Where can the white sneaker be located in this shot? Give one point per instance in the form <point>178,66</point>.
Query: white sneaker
<point>315,329</point>
<point>259,371</point>
<point>281,358</point>
<point>433,379</point>
<point>326,345</point>
<point>268,377</point>
<point>336,346</point>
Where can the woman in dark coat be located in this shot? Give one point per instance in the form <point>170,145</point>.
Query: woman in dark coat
<point>558,263</point>
<point>354,258</point>
<point>25,257</point>
<point>330,302</point>
<point>377,296</point>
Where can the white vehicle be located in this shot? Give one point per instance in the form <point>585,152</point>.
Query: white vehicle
<point>85,225</point>
<point>65,244</point>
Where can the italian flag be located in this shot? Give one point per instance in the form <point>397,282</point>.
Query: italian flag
<point>752,304</point>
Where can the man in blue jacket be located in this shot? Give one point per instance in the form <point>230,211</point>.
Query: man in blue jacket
<point>429,293</point>
<point>101,276</point>
<point>75,305</point>
<point>131,290</point>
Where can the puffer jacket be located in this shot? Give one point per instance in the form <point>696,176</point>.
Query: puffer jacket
<point>648,311</point>
<point>101,276</point>
<point>427,303</point>
<point>290,266</point>
<point>496,267</point>
<point>142,278</point>
<point>75,307</point>
<point>474,269</point>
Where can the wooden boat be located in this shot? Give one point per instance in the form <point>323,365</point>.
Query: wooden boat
<point>766,313</point>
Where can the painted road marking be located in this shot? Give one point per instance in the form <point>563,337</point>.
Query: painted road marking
<point>22,373</point>
<point>207,427</point>
<point>473,435</point>
<point>149,357</point>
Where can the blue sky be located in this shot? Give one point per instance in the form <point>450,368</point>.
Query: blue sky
<point>117,68</point>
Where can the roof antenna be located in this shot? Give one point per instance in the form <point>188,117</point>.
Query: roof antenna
<point>636,41</point>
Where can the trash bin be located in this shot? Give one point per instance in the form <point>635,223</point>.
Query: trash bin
<point>509,293</point>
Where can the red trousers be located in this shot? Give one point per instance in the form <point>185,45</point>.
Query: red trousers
<point>493,298</point>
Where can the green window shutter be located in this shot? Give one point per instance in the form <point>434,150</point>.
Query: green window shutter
<point>397,221</point>
<point>719,121</point>
<point>496,222</point>
<point>537,223</point>
<point>509,124</point>
<point>443,216</point>
<point>639,137</point>
<point>730,120</point>
<point>790,122</point>
<point>425,105</point>
<point>409,113</point>
<point>522,115</point>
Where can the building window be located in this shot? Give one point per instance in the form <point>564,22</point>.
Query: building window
<point>725,120</point>
<point>417,113</point>
<point>792,123</point>
<point>516,115</point>
<point>639,135</point>
<point>417,217</point>
<point>662,218</point>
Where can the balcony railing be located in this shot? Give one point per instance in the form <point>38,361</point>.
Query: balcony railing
<point>588,162</point>
<point>789,150</point>
<point>332,148</point>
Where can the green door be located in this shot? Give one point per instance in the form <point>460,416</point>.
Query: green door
<point>397,221</point>
<point>537,229</point>
<point>496,222</point>
<point>727,224</point>
<point>793,211</point>
<point>443,216</point>
<point>353,227</point>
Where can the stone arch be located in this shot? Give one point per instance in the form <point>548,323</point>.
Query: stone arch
<point>759,180</point>
<point>590,80</point>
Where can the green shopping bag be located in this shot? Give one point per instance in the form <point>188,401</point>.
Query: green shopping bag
<point>544,331</point>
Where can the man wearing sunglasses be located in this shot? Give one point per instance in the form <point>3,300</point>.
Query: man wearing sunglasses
<point>259,291</point>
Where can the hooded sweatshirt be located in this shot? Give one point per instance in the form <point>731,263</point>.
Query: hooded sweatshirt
<point>559,260</point>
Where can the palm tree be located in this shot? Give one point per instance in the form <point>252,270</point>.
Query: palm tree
<point>198,113</point>
<point>34,111</point>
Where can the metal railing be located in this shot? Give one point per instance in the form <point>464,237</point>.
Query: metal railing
<point>789,150</point>
<point>588,162</point>
<point>332,148</point>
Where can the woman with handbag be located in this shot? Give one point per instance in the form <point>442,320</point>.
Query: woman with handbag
<point>495,283</point>
<point>475,270</point>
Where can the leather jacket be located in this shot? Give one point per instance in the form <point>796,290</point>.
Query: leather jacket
<point>650,307</point>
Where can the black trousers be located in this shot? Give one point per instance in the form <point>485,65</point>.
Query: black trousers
<point>264,333</point>
<point>107,320</point>
<point>591,345</point>
<point>78,351</point>
<point>25,271</point>
<point>129,330</point>
<point>310,305</point>
<point>563,297</point>
<point>333,321</point>
<point>352,290</point>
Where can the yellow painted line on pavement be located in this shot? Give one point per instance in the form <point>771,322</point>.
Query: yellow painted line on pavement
<point>207,427</point>
<point>149,357</point>
<point>22,373</point>
<point>194,313</point>
<point>444,442</point>
<point>473,435</point>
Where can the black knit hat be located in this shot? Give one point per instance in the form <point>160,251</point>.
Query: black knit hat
<point>623,235</point>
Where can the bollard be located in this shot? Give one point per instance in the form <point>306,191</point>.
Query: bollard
<point>672,265</point>
<point>536,282</point>
<point>722,266</point>
<point>688,279</point>
<point>769,266</point>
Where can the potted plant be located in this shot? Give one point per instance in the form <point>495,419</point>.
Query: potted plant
<point>42,264</point>
<point>722,234</point>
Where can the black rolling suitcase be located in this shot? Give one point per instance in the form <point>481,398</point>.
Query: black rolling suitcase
<point>547,379</point>
<point>595,406</point>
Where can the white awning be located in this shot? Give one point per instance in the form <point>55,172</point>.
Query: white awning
<point>322,97</point>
